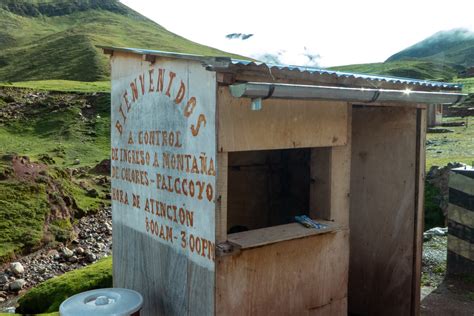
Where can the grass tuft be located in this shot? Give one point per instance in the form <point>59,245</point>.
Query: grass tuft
<point>46,297</point>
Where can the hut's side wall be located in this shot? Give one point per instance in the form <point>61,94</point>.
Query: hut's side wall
<point>163,183</point>
<point>383,211</point>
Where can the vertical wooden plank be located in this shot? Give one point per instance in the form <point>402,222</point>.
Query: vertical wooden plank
<point>340,177</point>
<point>320,185</point>
<point>421,125</point>
<point>382,210</point>
<point>221,205</point>
<point>330,180</point>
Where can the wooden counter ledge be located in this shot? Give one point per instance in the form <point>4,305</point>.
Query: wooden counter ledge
<point>270,235</point>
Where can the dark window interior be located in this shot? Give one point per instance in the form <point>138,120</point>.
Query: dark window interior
<point>267,188</point>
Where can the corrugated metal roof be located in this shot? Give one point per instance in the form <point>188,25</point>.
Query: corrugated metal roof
<point>341,74</point>
<point>222,63</point>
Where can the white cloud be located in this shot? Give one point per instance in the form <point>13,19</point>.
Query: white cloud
<point>341,32</point>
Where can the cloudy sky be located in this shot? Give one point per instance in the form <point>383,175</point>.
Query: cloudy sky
<point>324,33</point>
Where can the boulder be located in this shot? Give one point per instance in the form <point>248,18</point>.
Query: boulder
<point>92,193</point>
<point>79,250</point>
<point>91,257</point>
<point>3,279</point>
<point>17,268</point>
<point>102,167</point>
<point>437,231</point>
<point>67,252</point>
<point>17,285</point>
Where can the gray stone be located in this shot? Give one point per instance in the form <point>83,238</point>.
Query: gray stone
<point>79,250</point>
<point>91,257</point>
<point>73,259</point>
<point>10,310</point>
<point>436,231</point>
<point>67,252</point>
<point>17,285</point>
<point>92,193</point>
<point>3,279</point>
<point>17,268</point>
<point>108,227</point>
<point>52,253</point>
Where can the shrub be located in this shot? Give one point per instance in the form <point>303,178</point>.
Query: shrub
<point>434,216</point>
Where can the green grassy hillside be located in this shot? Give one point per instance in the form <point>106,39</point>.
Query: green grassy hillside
<point>468,84</point>
<point>448,47</point>
<point>47,142</point>
<point>417,69</point>
<point>62,85</point>
<point>56,39</point>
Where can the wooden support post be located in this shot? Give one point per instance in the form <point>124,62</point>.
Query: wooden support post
<point>221,204</point>
<point>421,117</point>
<point>330,180</point>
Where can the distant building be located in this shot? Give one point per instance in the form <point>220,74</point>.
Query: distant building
<point>469,72</point>
<point>434,115</point>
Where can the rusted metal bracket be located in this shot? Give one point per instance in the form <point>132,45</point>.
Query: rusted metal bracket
<point>150,58</point>
<point>227,248</point>
<point>225,78</point>
<point>108,51</point>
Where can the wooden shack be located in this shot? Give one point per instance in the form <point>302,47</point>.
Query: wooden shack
<point>212,158</point>
<point>435,115</point>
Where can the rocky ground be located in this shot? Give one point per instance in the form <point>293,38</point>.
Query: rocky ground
<point>434,259</point>
<point>453,297</point>
<point>442,295</point>
<point>94,240</point>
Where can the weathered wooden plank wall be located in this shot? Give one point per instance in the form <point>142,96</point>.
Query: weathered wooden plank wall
<point>164,183</point>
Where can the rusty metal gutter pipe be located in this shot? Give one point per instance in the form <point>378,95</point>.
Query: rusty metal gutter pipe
<point>259,91</point>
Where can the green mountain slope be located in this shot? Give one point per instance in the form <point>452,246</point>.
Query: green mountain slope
<point>439,57</point>
<point>417,69</point>
<point>450,47</point>
<point>56,39</point>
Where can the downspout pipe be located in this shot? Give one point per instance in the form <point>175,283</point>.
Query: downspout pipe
<point>261,90</point>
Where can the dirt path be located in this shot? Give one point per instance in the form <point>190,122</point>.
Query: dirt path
<point>452,297</point>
